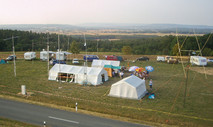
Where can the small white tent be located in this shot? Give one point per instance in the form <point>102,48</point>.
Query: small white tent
<point>130,87</point>
<point>95,76</point>
<point>101,63</point>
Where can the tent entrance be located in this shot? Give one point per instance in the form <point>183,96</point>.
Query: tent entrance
<point>103,77</point>
<point>65,77</point>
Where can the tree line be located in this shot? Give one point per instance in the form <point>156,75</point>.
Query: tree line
<point>144,45</point>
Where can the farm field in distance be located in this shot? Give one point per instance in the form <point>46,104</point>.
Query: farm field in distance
<point>168,85</point>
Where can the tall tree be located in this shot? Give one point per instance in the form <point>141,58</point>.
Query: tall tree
<point>74,48</point>
<point>126,50</point>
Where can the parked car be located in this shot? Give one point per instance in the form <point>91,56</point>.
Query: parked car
<point>120,58</point>
<point>144,58</point>
<point>210,60</point>
<point>11,57</point>
<point>111,57</point>
<point>172,60</point>
<point>75,61</point>
<point>53,62</point>
<point>91,57</point>
<point>160,58</point>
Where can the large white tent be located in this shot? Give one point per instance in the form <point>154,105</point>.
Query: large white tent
<point>130,87</point>
<point>94,76</point>
<point>101,63</point>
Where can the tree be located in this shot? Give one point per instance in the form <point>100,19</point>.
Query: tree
<point>74,48</point>
<point>126,50</point>
<point>175,50</point>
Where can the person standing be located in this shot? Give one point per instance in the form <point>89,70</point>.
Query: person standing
<point>122,74</point>
<point>150,84</point>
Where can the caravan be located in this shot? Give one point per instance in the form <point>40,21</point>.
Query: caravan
<point>62,55</point>
<point>43,55</point>
<point>198,60</point>
<point>30,55</point>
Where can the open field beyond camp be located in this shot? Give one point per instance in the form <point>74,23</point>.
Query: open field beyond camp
<point>166,109</point>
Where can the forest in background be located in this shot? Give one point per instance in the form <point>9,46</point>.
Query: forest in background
<point>140,45</point>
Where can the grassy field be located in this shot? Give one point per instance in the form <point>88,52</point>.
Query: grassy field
<point>166,109</point>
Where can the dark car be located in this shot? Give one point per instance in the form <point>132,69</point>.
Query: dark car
<point>11,57</point>
<point>143,59</point>
<point>90,58</point>
<point>57,62</point>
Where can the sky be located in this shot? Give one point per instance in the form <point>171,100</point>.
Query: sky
<point>75,12</point>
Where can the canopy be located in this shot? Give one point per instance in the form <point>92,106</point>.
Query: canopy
<point>149,68</point>
<point>111,66</point>
<point>140,69</point>
<point>133,68</point>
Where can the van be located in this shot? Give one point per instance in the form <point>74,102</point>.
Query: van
<point>90,58</point>
<point>160,59</point>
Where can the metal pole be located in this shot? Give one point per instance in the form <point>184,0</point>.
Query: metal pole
<point>48,64</point>
<point>14,61</point>
<point>187,75</point>
<point>85,68</point>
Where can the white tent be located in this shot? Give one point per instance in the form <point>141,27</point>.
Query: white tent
<point>95,76</point>
<point>101,63</point>
<point>130,87</point>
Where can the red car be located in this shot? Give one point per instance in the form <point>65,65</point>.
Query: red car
<point>112,58</point>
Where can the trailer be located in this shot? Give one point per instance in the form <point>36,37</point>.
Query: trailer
<point>160,59</point>
<point>44,55</point>
<point>198,60</point>
<point>62,55</point>
<point>30,55</point>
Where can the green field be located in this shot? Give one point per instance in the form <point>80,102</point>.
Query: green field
<point>166,109</point>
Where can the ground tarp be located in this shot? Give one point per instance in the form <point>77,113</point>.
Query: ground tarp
<point>130,87</point>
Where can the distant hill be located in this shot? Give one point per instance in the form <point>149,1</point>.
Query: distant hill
<point>134,28</point>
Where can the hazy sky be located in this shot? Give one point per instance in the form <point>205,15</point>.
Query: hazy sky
<point>193,12</point>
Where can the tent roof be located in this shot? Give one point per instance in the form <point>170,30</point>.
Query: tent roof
<point>102,63</point>
<point>76,69</point>
<point>133,81</point>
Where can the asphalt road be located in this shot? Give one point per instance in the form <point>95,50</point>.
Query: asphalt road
<point>35,114</point>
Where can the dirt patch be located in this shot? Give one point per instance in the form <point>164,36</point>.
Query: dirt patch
<point>208,71</point>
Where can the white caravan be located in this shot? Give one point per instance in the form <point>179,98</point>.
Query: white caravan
<point>198,60</point>
<point>43,55</point>
<point>30,55</point>
<point>62,55</point>
<point>160,58</point>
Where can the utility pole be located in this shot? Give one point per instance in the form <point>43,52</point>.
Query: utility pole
<point>85,64</point>
<point>48,59</point>
<point>13,48</point>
